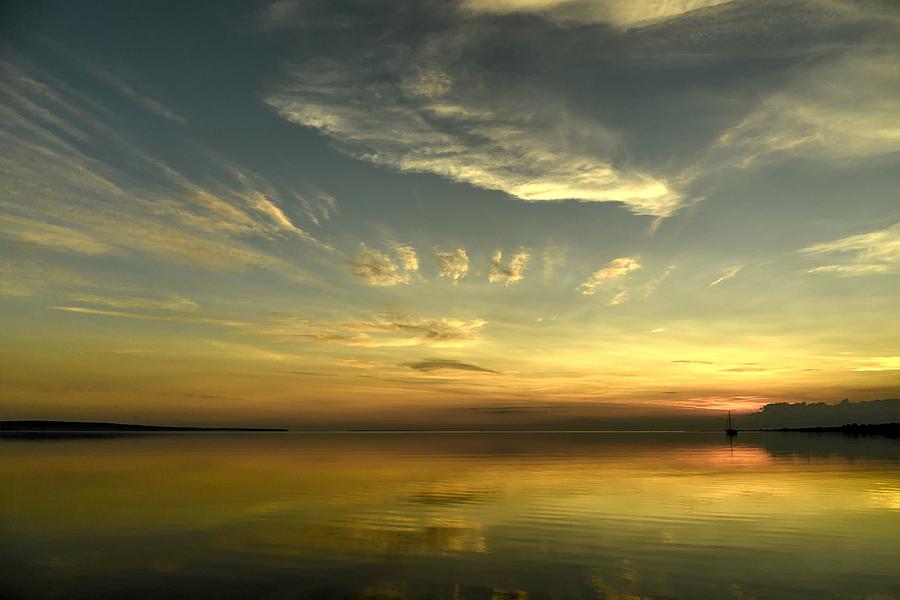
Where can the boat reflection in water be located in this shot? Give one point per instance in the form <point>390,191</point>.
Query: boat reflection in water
<point>481,515</point>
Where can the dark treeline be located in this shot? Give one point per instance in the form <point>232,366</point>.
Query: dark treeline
<point>820,414</point>
<point>886,429</point>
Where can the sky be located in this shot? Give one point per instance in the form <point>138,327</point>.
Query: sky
<point>470,213</point>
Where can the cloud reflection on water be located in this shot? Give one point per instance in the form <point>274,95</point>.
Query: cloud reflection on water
<point>450,515</point>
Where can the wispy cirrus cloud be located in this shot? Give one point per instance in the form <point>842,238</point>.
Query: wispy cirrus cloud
<point>434,114</point>
<point>650,287</point>
<point>620,13</point>
<point>440,332</point>
<point>407,256</point>
<point>41,233</point>
<point>262,197</point>
<point>376,268</point>
<point>452,264</point>
<point>860,254</point>
<point>172,303</point>
<point>76,180</point>
<point>390,330</point>
<point>513,271</point>
<point>121,83</point>
<point>729,273</point>
<point>519,159</point>
<point>620,297</point>
<point>387,330</point>
<point>838,111</point>
<point>615,269</point>
<point>23,278</point>
<point>147,316</point>
<point>319,207</point>
<point>126,89</point>
<point>546,135</point>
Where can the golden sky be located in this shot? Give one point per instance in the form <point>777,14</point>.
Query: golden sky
<point>437,214</point>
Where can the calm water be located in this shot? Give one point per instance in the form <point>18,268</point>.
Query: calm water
<point>450,516</point>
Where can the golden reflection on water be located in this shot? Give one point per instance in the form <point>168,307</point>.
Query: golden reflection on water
<point>451,516</point>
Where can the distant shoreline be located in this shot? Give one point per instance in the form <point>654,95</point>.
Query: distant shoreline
<point>100,427</point>
<point>94,427</point>
<point>885,429</point>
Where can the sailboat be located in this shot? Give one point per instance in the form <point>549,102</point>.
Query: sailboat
<point>731,431</point>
